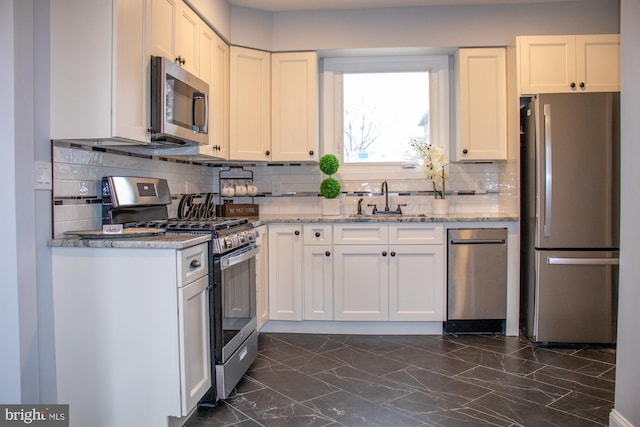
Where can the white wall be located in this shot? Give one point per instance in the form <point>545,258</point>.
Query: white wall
<point>215,13</point>
<point>433,26</point>
<point>77,185</point>
<point>10,384</point>
<point>627,367</point>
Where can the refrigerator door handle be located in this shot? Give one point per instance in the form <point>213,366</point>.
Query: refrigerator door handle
<point>548,190</point>
<point>582,261</point>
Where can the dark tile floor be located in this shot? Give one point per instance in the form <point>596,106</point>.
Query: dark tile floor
<point>469,380</point>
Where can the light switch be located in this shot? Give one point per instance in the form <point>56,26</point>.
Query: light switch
<point>43,177</point>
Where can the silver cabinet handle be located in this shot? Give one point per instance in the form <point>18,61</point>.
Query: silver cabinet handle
<point>582,261</point>
<point>548,184</point>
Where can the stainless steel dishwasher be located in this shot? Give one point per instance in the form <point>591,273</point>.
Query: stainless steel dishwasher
<point>476,280</point>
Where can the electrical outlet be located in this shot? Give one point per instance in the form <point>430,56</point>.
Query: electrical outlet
<point>42,175</point>
<point>276,188</point>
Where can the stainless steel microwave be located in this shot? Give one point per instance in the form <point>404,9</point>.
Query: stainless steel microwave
<point>179,104</point>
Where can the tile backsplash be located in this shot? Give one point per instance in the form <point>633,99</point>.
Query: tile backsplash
<point>283,188</point>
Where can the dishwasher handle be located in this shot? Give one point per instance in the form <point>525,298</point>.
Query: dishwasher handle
<point>478,241</point>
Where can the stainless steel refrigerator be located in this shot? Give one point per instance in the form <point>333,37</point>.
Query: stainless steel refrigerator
<point>570,217</point>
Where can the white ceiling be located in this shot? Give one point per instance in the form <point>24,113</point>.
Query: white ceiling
<point>288,5</point>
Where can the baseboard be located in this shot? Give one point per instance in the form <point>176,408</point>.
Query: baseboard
<point>617,420</point>
<point>364,328</point>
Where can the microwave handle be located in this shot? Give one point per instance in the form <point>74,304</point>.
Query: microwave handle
<point>199,96</point>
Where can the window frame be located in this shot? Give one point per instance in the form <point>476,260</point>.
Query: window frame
<point>333,68</point>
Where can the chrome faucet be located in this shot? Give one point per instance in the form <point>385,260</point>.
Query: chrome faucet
<point>385,191</point>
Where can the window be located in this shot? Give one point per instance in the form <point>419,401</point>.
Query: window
<point>373,106</point>
<point>382,111</point>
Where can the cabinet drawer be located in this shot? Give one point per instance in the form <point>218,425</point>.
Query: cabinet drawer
<point>193,263</point>
<point>414,234</point>
<point>360,234</point>
<point>318,234</point>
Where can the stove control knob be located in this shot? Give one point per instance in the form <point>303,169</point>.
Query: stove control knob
<point>228,242</point>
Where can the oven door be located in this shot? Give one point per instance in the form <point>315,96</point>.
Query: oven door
<point>237,300</point>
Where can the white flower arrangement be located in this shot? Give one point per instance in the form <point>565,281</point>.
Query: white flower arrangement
<point>435,160</point>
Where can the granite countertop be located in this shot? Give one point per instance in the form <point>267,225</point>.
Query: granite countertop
<point>160,241</point>
<point>451,217</point>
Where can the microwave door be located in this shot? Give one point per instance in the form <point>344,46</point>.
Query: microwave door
<point>179,110</point>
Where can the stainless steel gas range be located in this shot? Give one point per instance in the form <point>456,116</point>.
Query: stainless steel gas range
<point>142,202</point>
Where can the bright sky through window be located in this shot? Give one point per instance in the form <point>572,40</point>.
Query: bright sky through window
<point>382,111</point>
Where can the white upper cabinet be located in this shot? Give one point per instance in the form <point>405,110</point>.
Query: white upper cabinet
<point>219,99</point>
<point>481,105</point>
<point>98,69</point>
<point>571,63</point>
<point>249,104</point>
<point>294,106</point>
<point>174,33</point>
<point>214,69</point>
<point>273,106</point>
<point>187,36</point>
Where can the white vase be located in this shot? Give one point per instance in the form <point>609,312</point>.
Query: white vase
<point>440,206</point>
<point>331,207</point>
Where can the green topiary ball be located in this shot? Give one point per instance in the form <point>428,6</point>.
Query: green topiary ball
<point>329,164</point>
<point>330,188</point>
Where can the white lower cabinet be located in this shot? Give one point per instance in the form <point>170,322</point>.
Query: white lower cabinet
<point>400,279</point>
<point>285,272</point>
<point>131,333</point>
<point>416,283</point>
<point>262,276</point>
<point>361,282</point>
<point>356,272</point>
<point>318,282</point>
<point>193,321</point>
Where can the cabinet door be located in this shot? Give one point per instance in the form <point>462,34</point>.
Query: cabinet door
<point>361,234</point>
<point>262,277</point>
<point>547,64</point>
<point>219,99</point>
<point>213,59</point>
<point>318,234</point>
<point>285,272</point>
<point>100,94</point>
<point>130,120</point>
<point>193,321</point>
<point>294,106</point>
<point>250,104</point>
<point>318,283</point>
<point>416,283</point>
<point>162,27</point>
<point>598,62</point>
<point>482,104</point>
<point>416,234</point>
<point>361,282</point>
<point>186,38</point>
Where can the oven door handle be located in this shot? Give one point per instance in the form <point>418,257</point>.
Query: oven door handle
<point>229,261</point>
